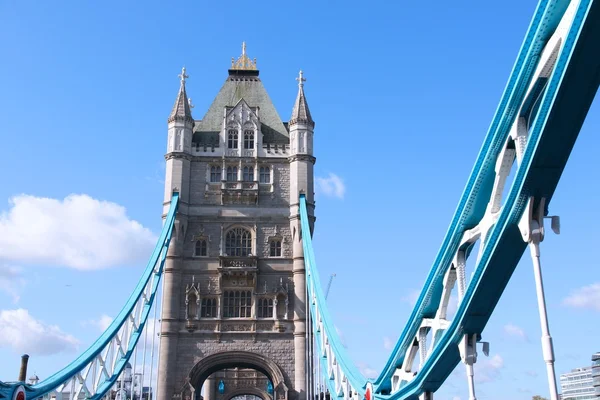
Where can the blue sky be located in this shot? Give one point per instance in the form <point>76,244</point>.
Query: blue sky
<point>402,94</point>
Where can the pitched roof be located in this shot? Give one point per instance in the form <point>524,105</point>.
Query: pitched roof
<point>241,84</point>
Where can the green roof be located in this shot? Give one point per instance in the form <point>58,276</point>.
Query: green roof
<point>248,86</point>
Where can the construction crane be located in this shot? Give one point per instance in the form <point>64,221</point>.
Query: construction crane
<point>329,285</point>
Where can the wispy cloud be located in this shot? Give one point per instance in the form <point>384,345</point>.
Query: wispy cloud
<point>78,232</point>
<point>515,331</point>
<point>366,370</point>
<point>388,343</point>
<point>332,186</point>
<point>488,370</point>
<point>12,281</point>
<point>101,323</point>
<point>21,332</point>
<point>411,297</point>
<point>342,337</point>
<point>585,297</point>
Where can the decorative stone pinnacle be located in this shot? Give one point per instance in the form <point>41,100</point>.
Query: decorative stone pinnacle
<point>190,103</point>
<point>183,76</point>
<point>243,63</point>
<point>301,79</point>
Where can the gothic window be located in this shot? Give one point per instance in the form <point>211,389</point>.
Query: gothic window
<point>265,175</point>
<point>248,174</point>
<point>237,304</point>
<point>248,139</point>
<point>201,249</point>
<point>232,139</point>
<point>208,308</point>
<point>275,248</point>
<point>232,174</point>
<point>215,173</point>
<point>265,308</point>
<point>238,243</point>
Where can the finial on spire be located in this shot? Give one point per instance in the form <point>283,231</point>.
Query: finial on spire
<point>182,109</point>
<point>300,113</point>
<point>183,76</point>
<point>301,79</point>
<point>243,63</point>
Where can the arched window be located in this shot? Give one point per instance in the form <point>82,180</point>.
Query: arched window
<point>232,174</point>
<point>265,175</point>
<point>237,304</point>
<point>275,248</point>
<point>215,173</point>
<point>248,174</point>
<point>265,308</point>
<point>201,249</point>
<point>208,309</point>
<point>232,139</point>
<point>238,243</point>
<point>248,139</point>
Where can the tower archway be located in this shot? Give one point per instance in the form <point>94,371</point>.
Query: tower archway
<point>240,359</point>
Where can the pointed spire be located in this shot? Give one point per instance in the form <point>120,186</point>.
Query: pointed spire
<point>301,113</point>
<point>181,110</point>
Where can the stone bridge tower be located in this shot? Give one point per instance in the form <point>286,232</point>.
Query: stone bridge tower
<point>234,282</point>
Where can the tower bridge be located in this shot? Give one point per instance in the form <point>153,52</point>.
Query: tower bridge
<point>243,311</point>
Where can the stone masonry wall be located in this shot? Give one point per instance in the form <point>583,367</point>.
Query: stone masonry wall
<point>277,347</point>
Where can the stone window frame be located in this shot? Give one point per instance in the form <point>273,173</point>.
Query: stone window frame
<point>249,139</point>
<point>271,304</point>
<point>232,171</point>
<point>252,240</point>
<point>233,137</point>
<point>273,240</point>
<point>237,306</point>
<point>214,306</point>
<point>248,172</point>
<point>218,173</point>
<point>198,238</point>
<point>261,174</point>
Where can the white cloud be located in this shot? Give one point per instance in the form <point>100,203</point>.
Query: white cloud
<point>332,186</point>
<point>341,337</point>
<point>388,343</point>
<point>101,323</point>
<point>412,297</point>
<point>21,332</point>
<point>11,281</point>
<point>585,297</point>
<point>515,331</point>
<point>367,371</point>
<point>78,232</point>
<point>487,370</point>
<point>456,398</point>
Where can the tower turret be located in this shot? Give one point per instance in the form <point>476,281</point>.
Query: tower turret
<point>301,161</point>
<point>179,144</point>
<point>178,157</point>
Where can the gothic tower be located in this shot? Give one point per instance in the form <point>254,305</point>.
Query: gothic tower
<point>233,318</point>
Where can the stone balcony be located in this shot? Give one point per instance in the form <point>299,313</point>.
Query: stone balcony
<point>239,192</point>
<point>230,266</point>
